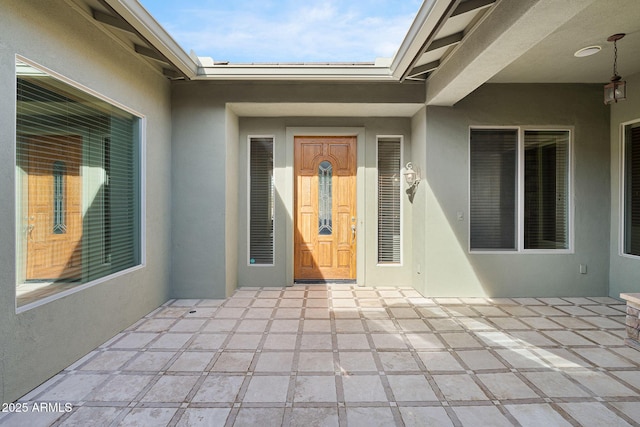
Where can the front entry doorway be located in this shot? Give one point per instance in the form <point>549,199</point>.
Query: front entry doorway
<point>325,208</point>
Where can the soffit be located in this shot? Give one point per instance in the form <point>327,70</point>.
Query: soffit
<point>299,109</point>
<point>552,59</point>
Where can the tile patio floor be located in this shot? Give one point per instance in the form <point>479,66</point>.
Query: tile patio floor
<point>341,355</point>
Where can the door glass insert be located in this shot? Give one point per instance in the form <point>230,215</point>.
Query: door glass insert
<point>59,171</point>
<point>325,171</point>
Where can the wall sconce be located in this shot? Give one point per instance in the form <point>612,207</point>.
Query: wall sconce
<point>616,90</point>
<point>413,179</point>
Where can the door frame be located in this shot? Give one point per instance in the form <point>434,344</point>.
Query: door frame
<point>359,133</point>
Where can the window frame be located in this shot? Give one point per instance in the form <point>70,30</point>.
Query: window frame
<point>622,190</point>
<point>402,201</point>
<point>140,158</point>
<point>248,176</point>
<point>520,196</point>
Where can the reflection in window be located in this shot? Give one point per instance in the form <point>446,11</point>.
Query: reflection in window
<point>59,171</point>
<point>325,171</point>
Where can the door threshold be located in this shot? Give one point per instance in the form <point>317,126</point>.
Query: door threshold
<point>324,282</point>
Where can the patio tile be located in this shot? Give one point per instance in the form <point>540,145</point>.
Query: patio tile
<point>378,356</point>
<point>536,415</point>
<point>506,386</point>
<point>436,361</point>
<point>148,416</point>
<point>171,388</point>
<point>274,362</point>
<point>481,416</point>
<point>267,389</point>
<point>218,389</point>
<point>369,417</point>
<point>203,417</point>
<point>351,361</point>
<point>555,384</point>
<point>363,388</point>
<point>398,361</point>
<point>233,362</point>
<point>150,361</point>
<point>191,361</point>
<point>316,362</point>
<point>593,413</point>
<point>459,387</point>
<point>120,388</point>
<point>315,389</point>
<point>411,388</point>
<point>317,417</point>
<point>263,417</point>
<point>415,416</point>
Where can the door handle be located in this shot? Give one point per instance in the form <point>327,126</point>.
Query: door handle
<point>353,231</point>
<point>30,228</point>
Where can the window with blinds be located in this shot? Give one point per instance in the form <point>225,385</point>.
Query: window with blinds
<point>389,174</point>
<point>78,162</point>
<point>632,190</point>
<point>261,201</point>
<point>493,171</point>
<point>499,189</point>
<point>546,189</point>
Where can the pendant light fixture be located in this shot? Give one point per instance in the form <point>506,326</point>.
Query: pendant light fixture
<point>616,90</point>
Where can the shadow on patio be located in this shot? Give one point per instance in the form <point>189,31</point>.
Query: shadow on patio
<point>346,355</point>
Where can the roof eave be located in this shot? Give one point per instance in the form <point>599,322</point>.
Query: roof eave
<point>136,15</point>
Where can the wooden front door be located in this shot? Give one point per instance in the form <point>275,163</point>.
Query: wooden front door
<point>325,208</point>
<point>54,226</point>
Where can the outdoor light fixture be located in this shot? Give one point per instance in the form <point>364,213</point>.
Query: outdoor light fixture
<point>412,177</point>
<point>616,90</point>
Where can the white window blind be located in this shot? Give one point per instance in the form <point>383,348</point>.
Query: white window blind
<point>632,190</point>
<point>79,198</point>
<point>493,179</point>
<point>389,166</point>
<point>261,193</point>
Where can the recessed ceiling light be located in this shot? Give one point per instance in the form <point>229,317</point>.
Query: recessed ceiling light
<point>587,51</point>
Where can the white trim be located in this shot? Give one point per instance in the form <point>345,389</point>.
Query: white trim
<point>402,202</point>
<point>248,225</point>
<point>142,174</point>
<point>519,243</point>
<point>621,191</point>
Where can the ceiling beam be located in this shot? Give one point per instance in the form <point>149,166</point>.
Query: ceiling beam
<point>111,20</point>
<point>508,32</point>
<point>471,5</point>
<point>423,69</point>
<point>150,53</point>
<point>445,41</point>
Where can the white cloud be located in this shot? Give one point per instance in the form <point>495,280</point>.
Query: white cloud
<point>294,31</point>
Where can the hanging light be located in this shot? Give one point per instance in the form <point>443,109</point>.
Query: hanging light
<point>616,90</point>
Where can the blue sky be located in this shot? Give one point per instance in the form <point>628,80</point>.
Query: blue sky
<point>287,30</point>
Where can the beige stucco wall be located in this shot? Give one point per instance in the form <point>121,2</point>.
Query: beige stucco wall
<point>450,268</point>
<point>625,271</point>
<point>37,343</point>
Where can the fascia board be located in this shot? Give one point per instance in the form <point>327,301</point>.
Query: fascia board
<point>283,72</point>
<point>136,15</point>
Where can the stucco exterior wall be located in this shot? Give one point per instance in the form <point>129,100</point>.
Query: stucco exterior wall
<point>624,276</point>
<point>451,269</point>
<point>39,342</point>
<point>204,173</point>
